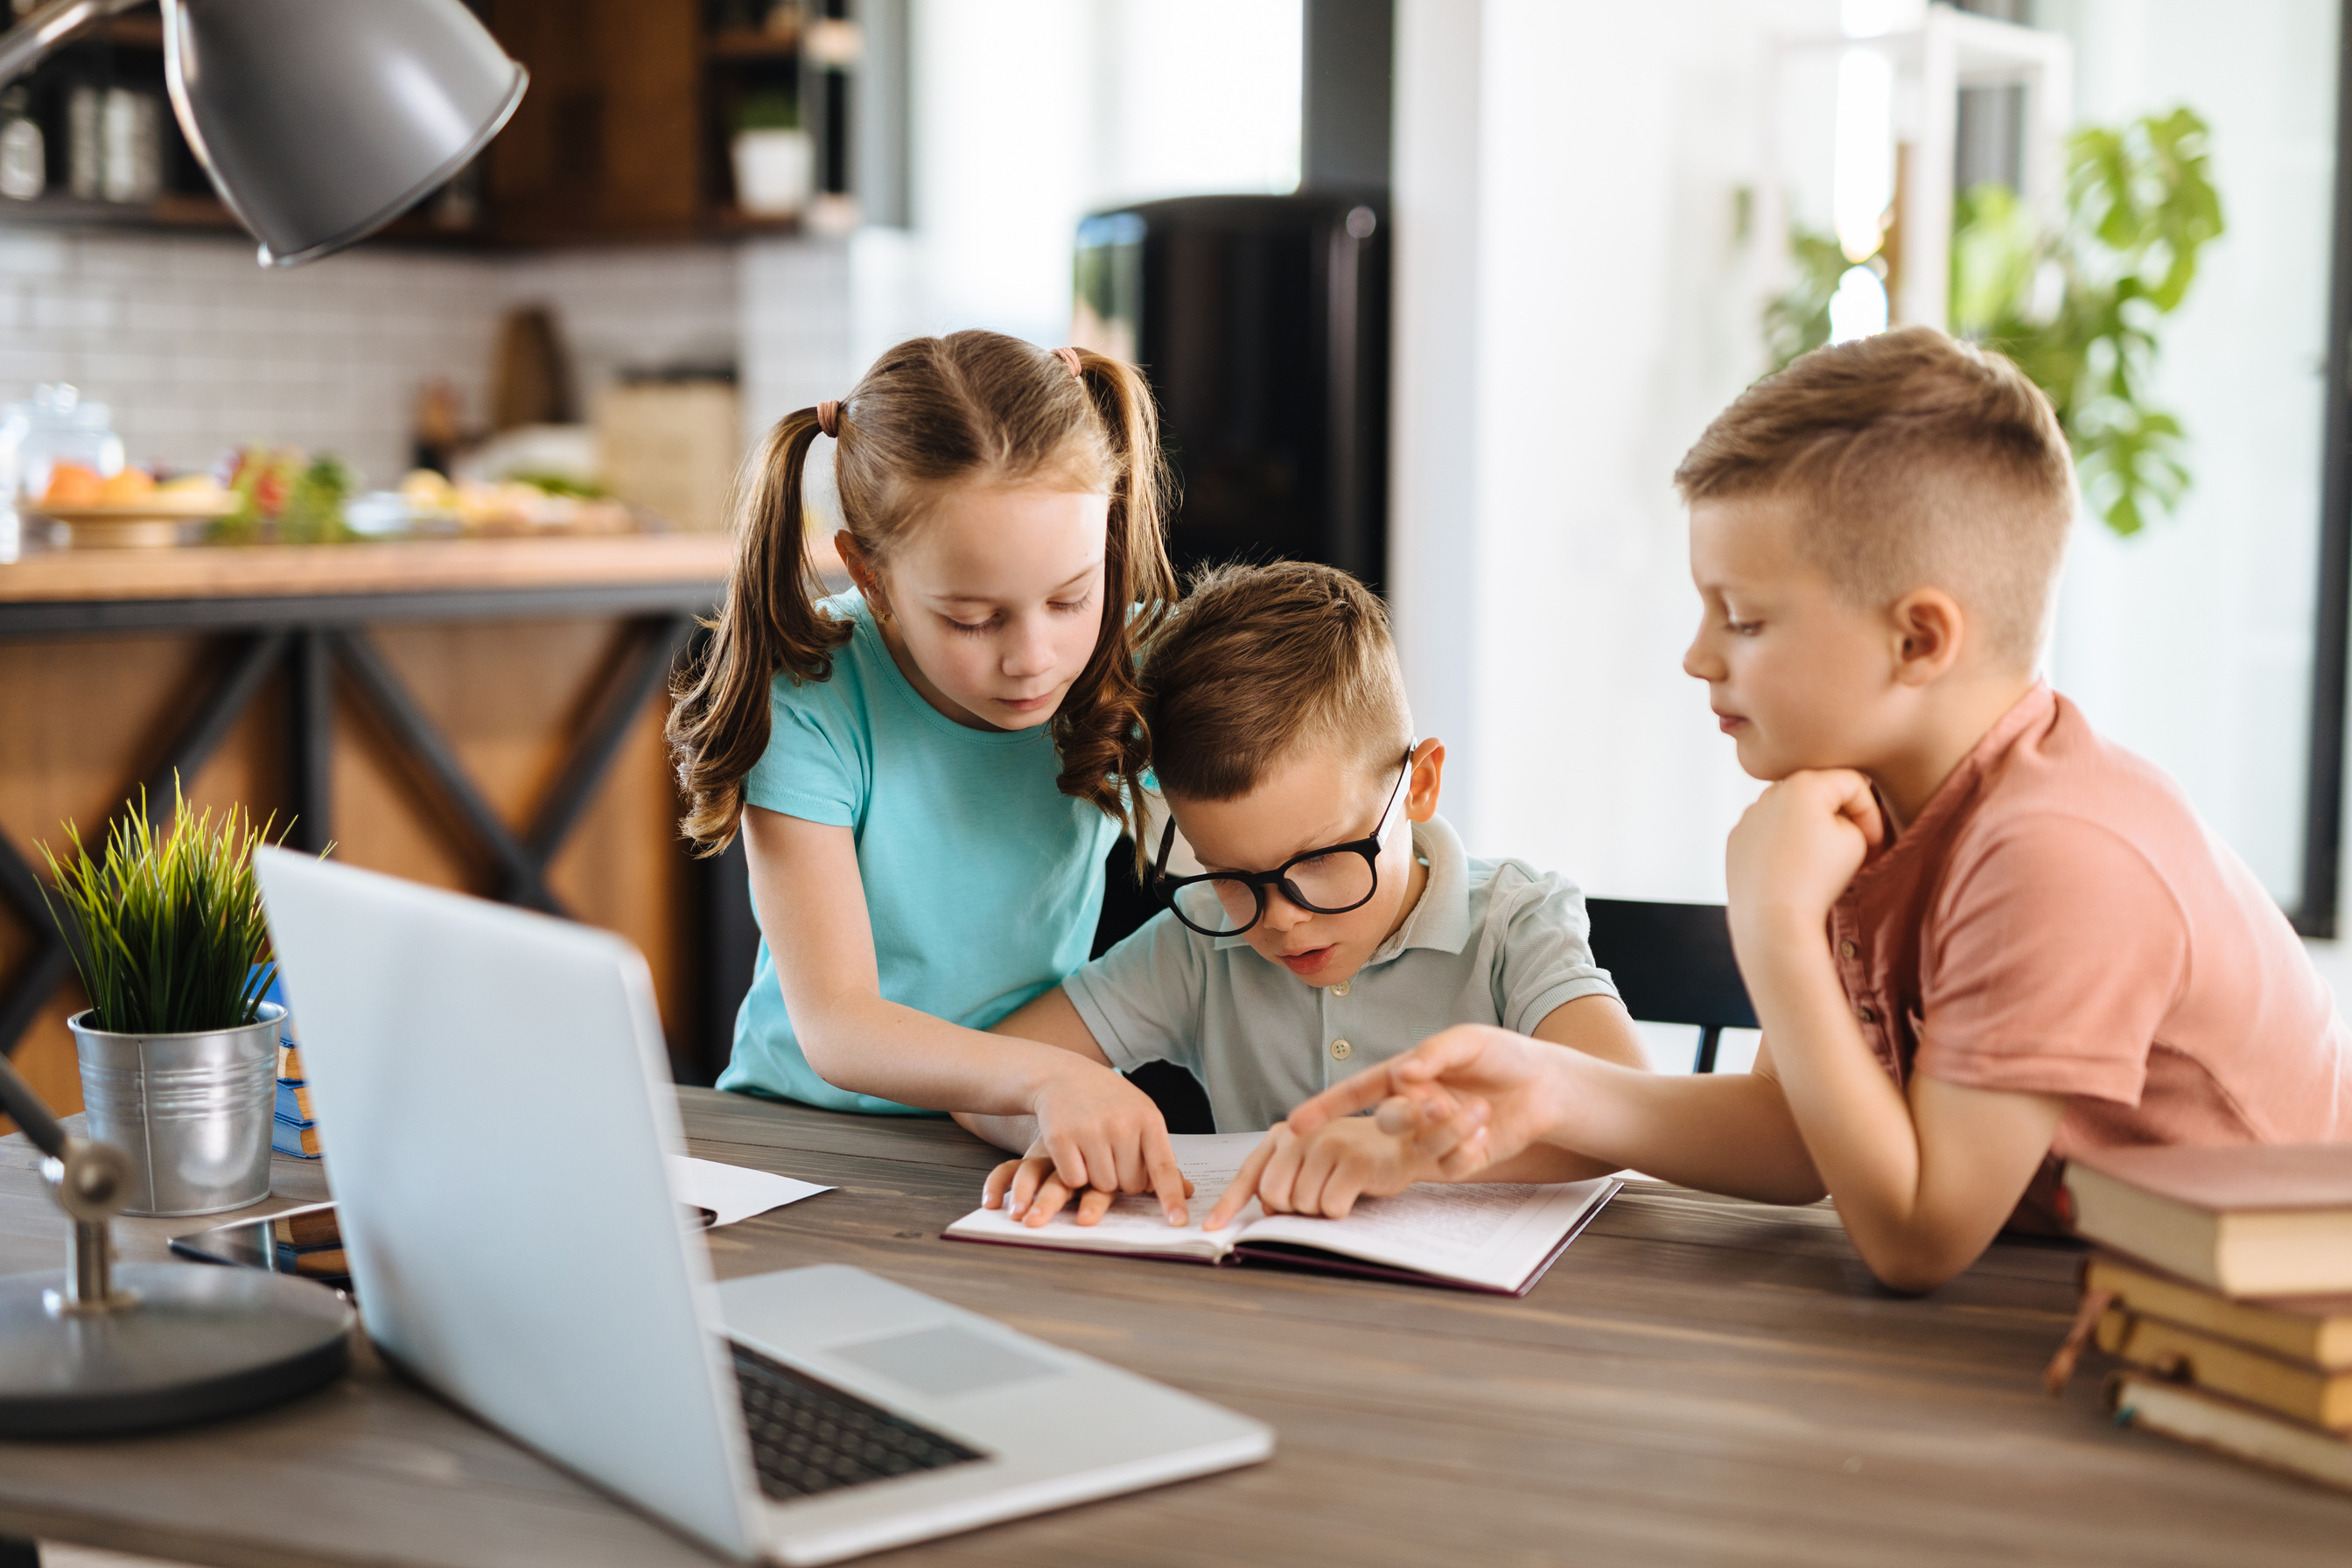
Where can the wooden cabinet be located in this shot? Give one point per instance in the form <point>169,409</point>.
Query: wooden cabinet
<point>624,134</point>
<point>606,142</point>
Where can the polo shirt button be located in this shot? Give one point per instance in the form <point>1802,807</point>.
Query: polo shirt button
<point>1340,1049</point>
<point>1340,989</point>
<point>1847,950</point>
<point>1866,1013</point>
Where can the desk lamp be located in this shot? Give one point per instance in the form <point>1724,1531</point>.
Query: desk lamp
<point>97,1348</point>
<point>319,121</point>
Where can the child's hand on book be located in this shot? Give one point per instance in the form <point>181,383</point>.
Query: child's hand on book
<point>1322,1174</point>
<point>1032,1191</point>
<point>1096,1132</point>
<point>1468,1097</point>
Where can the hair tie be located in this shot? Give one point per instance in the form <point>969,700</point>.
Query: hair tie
<point>1070,357</point>
<point>828,418</point>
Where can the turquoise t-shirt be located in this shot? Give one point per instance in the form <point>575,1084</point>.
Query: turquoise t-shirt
<point>983,880</point>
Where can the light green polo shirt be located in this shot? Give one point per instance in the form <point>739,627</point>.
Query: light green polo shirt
<point>1490,941</point>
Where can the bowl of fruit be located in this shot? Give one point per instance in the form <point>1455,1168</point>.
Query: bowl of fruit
<point>128,510</point>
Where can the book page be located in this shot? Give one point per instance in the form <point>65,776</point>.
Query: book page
<point>1490,1234</point>
<point>1136,1223</point>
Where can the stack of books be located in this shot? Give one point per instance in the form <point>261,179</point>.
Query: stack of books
<point>295,1131</point>
<point>2224,1283</point>
<point>296,1134</point>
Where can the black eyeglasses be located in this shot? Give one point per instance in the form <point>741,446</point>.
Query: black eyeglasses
<point>1330,881</point>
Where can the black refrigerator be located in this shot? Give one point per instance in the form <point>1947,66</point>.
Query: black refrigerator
<point>1263,324</point>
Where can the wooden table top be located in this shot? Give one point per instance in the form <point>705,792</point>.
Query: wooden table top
<point>1697,1381</point>
<point>216,571</point>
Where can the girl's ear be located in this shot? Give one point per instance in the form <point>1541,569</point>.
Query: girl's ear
<point>861,572</point>
<point>1428,771</point>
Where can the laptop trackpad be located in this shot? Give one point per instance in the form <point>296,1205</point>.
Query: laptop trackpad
<point>945,1360</point>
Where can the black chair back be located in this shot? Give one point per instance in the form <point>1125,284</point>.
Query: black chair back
<point>1184,1103</point>
<point>1673,964</point>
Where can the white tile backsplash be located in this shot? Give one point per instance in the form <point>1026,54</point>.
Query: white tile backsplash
<point>195,348</point>
<point>797,344</point>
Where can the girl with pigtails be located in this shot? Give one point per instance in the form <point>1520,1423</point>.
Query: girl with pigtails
<point>929,772</point>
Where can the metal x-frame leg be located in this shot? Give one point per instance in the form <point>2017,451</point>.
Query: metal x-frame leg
<point>310,655</point>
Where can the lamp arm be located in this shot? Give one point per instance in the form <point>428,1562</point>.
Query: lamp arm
<point>31,1112</point>
<point>26,44</point>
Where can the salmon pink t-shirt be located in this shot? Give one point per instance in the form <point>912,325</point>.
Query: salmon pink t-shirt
<point>2057,920</point>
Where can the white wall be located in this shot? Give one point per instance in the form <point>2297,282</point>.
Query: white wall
<point>1573,305</point>
<point>1029,113</point>
<point>2191,643</point>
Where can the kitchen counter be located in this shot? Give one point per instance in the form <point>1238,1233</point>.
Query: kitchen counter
<point>69,591</point>
<point>483,714</point>
<point>406,566</point>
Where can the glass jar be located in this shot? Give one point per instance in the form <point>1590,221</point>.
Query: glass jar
<point>56,426</point>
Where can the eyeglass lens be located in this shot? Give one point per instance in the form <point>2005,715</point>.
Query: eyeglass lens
<point>1328,884</point>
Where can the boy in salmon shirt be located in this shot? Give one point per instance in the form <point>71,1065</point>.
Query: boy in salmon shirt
<point>1980,938</point>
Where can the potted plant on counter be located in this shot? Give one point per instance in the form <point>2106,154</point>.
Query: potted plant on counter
<point>775,161</point>
<point>178,1051</point>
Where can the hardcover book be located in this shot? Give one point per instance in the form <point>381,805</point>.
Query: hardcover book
<point>2243,1219</point>
<point>300,1139</point>
<point>2314,1329</point>
<point>2212,1421</point>
<point>2297,1389</point>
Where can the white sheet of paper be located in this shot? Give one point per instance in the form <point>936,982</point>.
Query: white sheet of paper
<point>731,1192</point>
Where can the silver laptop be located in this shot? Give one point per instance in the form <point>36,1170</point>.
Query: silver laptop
<point>492,1092</point>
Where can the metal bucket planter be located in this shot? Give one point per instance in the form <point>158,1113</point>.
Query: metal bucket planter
<point>193,1111</point>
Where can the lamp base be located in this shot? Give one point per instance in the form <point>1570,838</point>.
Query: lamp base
<point>194,1342</point>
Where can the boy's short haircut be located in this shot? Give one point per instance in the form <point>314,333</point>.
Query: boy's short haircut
<point>1263,662</point>
<point>1910,461</point>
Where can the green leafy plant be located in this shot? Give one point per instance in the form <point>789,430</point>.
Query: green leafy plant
<point>2078,308</point>
<point>1798,322</point>
<point>314,503</point>
<point>165,925</point>
<point>288,494</point>
<point>557,484</point>
<point>768,112</point>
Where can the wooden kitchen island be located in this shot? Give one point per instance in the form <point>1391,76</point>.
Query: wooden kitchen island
<point>482,714</point>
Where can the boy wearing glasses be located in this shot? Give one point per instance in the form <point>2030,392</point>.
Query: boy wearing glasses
<point>1334,921</point>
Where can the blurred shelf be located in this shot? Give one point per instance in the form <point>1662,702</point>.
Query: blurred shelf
<point>175,211</point>
<point>735,220</point>
<point>171,210</point>
<point>135,32</point>
<point>745,44</point>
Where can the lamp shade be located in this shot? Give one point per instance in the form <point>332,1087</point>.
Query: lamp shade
<point>321,121</point>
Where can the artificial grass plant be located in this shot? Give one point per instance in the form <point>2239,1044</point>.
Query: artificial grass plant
<point>166,926</point>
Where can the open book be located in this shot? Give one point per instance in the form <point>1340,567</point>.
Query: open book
<point>1494,1236</point>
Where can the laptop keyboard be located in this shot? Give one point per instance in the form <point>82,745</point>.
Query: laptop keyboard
<point>808,1438</point>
